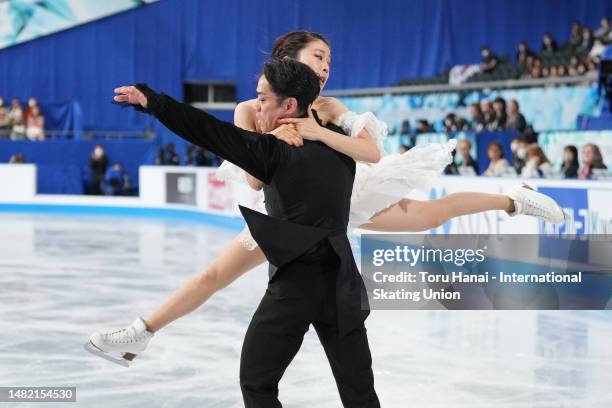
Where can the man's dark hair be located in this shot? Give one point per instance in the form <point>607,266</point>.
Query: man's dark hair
<point>289,78</point>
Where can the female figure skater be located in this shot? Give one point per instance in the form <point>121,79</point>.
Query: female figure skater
<point>377,203</point>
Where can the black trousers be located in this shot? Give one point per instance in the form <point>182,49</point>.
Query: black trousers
<point>300,294</point>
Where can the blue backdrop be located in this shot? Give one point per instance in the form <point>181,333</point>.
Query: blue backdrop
<point>56,175</point>
<point>374,44</point>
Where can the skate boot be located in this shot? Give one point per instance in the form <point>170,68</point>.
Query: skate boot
<point>120,346</point>
<point>527,201</point>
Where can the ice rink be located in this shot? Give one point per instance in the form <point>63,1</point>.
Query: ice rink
<point>65,276</point>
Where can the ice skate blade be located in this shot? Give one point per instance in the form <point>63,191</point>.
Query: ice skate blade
<point>89,346</point>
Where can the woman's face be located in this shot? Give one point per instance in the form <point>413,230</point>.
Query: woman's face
<point>493,153</point>
<point>568,156</point>
<point>587,155</point>
<point>317,56</point>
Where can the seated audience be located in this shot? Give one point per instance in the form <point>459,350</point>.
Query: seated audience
<point>536,163</point>
<point>198,156</point>
<point>487,112</point>
<point>523,53</point>
<point>17,120</point>
<point>5,120</point>
<point>516,121</point>
<point>467,165</point>
<point>477,120</point>
<point>168,156</point>
<point>591,160</point>
<point>499,165</point>
<point>489,60</point>
<point>423,127</point>
<point>549,45</point>
<point>454,123</point>
<point>115,181</point>
<point>499,123</point>
<point>35,124</point>
<point>519,151</point>
<point>570,165</point>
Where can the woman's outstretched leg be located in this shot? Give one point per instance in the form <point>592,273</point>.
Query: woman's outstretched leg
<point>235,261</point>
<point>415,215</point>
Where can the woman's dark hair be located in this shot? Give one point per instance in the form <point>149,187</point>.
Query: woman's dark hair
<point>289,78</point>
<point>290,44</point>
<point>574,151</point>
<point>597,157</point>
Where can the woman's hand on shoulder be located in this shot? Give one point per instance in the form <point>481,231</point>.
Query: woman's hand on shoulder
<point>329,109</point>
<point>288,134</point>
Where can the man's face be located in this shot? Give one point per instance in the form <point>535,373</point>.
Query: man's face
<point>269,110</point>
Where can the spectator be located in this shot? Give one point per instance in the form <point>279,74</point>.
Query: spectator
<point>35,124</point>
<point>573,66</point>
<point>561,71</point>
<point>16,119</point>
<point>581,70</point>
<point>536,163</point>
<point>576,35</point>
<point>604,29</point>
<point>487,112</point>
<point>168,156</point>
<point>552,71</point>
<point>530,135</point>
<point>549,45</point>
<point>519,151</point>
<point>522,53</point>
<point>587,40</point>
<point>477,121</point>
<point>570,165</point>
<point>499,123</point>
<point>18,158</point>
<point>198,156</point>
<point>489,60</point>
<point>115,181</point>
<point>5,121</point>
<point>422,126</point>
<point>591,160</point>
<point>590,65</point>
<point>454,123</point>
<point>467,164</point>
<point>98,164</point>
<point>451,169</point>
<point>32,103</point>
<point>499,165</point>
<point>545,72</point>
<point>516,121</point>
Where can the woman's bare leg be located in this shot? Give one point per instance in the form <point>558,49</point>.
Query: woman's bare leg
<point>414,215</point>
<point>230,265</point>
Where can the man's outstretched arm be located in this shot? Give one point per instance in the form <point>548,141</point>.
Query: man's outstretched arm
<point>257,154</point>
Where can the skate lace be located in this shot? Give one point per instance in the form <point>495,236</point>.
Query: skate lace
<point>125,336</point>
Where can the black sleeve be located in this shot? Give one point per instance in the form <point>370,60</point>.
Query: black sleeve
<point>257,154</point>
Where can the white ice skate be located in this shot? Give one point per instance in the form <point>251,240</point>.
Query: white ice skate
<point>527,201</point>
<point>126,343</point>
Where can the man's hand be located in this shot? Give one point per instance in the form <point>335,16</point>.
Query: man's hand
<point>131,95</point>
<point>308,127</point>
<point>288,134</point>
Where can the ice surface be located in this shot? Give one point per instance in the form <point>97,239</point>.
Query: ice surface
<point>63,277</point>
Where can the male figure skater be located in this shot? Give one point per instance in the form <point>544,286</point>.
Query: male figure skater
<point>313,276</point>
